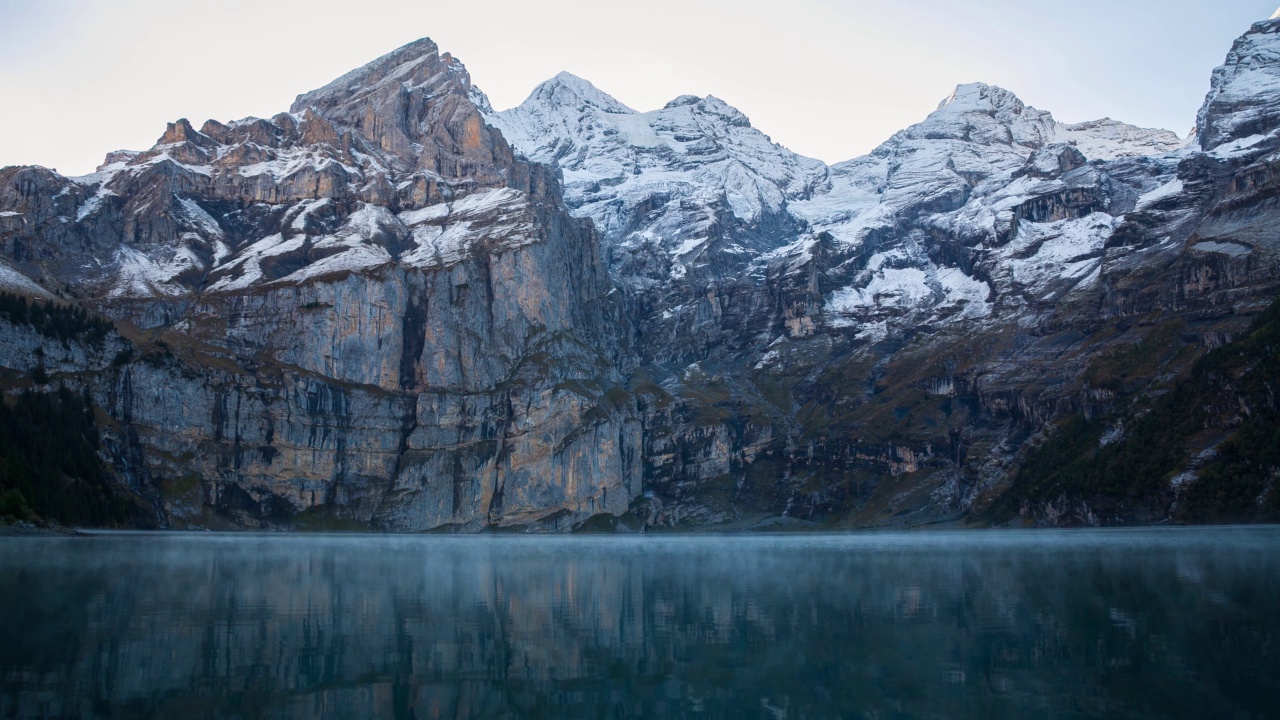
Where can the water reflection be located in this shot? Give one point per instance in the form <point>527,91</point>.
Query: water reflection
<point>1163,623</point>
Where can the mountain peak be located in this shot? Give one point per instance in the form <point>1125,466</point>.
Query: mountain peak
<point>569,89</point>
<point>416,64</point>
<point>399,99</point>
<point>980,96</point>
<point>963,90</point>
<point>682,101</point>
<point>982,114</point>
<point>1244,92</point>
<point>713,105</point>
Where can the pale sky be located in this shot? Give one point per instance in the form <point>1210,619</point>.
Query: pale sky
<point>827,78</point>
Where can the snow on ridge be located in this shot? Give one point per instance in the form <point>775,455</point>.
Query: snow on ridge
<point>1244,91</point>
<point>201,219</point>
<point>1167,190</point>
<point>674,178</point>
<point>294,160</point>
<point>1108,139</point>
<point>11,279</point>
<point>393,66</point>
<point>956,170</point>
<point>581,90</point>
<point>986,115</point>
<point>115,162</point>
<point>445,233</point>
<point>248,261</point>
<point>140,275</point>
<point>616,161</point>
<point>166,157</point>
<point>360,257</point>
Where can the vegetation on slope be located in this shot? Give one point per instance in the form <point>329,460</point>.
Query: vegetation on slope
<point>1222,421</point>
<point>60,322</point>
<point>49,464</point>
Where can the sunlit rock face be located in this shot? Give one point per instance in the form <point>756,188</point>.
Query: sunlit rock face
<point>396,307</point>
<point>366,309</point>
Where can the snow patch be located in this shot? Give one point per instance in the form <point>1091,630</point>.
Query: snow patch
<point>1045,254</point>
<point>1224,248</point>
<point>445,233</point>
<point>11,279</point>
<point>248,261</point>
<point>362,257</point>
<point>891,287</point>
<point>91,205</point>
<point>304,209</point>
<point>200,218</point>
<point>964,292</point>
<point>1167,190</point>
<point>289,162</point>
<point>1234,148</point>
<point>688,246</point>
<point>140,275</point>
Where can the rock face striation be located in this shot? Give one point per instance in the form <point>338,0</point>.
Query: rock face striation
<point>364,311</point>
<point>395,307</point>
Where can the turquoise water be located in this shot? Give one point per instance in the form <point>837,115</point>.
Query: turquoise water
<point>1048,624</point>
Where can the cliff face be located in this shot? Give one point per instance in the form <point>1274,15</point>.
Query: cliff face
<point>364,311</point>
<point>393,307</point>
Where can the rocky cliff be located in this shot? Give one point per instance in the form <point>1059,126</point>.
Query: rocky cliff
<point>365,311</point>
<point>395,307</point>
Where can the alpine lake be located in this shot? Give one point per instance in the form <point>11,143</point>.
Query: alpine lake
<point>1126,623</point>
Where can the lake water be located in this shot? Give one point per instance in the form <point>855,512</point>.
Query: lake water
<point>1047,624</point>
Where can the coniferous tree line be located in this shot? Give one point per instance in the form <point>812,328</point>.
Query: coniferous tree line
<point>60,322</point>
<point>49,464</point>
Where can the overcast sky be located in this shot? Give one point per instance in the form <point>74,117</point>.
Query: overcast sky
<point>827,78</point>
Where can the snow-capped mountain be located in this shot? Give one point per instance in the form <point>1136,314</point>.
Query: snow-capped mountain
<point>687,180</point>
<point>397,307</point>
<point>692,195</point>
<point>1016,193</point>
<point>685,199</point>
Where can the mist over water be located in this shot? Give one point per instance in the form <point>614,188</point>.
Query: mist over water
<point>1127,624</point>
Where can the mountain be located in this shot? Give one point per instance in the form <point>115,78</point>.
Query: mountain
<point>364,311</point>
<point>744,201</point>
<point>395,307</point>
<point>685,198</point>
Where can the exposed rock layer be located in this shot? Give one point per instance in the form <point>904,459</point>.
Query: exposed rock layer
<point>367,310</point>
